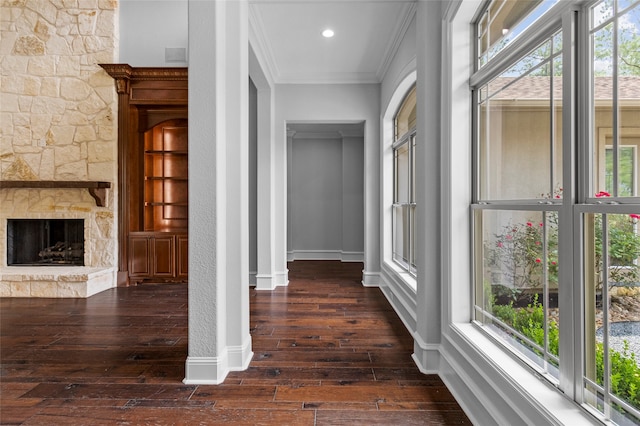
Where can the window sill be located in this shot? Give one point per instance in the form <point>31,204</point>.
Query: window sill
<point>401,276</point>
<point>528,393</point>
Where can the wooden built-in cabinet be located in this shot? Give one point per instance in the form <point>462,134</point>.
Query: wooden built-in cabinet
<point>158,256</point>
<point>153,179</point>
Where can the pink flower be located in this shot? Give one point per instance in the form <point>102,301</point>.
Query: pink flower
<point>634,216</point>
<point>537,243</point>
<point>538,260</point>
<point>603,194</point>
<point>557,196</point>
<point>529,224</point>
<point>541,224</point>
<point>500,244</point>
<point>509,237</point>
<point>553,262</point>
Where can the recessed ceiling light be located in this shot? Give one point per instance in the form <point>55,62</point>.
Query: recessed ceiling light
<point>328,33</point>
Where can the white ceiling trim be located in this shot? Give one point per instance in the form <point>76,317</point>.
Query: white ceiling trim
<point>400,30</point>
<point>316,135</point>
<point>261,46</point>
<point>326,1</point>
<point>328,78</point>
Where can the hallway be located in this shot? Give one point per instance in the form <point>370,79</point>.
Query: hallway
<point>326,351</point>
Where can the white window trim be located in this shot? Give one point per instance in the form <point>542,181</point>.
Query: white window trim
<point>389,266</point>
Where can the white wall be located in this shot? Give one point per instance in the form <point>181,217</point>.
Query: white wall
<point>398,286</point>
<point>147,27</point>
<point>403,63</point>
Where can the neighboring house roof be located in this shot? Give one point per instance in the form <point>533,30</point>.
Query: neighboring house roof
<point>537,88</point>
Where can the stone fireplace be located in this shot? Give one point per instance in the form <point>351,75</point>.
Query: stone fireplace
<point>58,156</point>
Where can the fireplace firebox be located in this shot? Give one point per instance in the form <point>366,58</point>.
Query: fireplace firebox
<point>45,242</point>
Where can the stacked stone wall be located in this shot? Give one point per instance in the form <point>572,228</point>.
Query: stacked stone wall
<point>59,115</point>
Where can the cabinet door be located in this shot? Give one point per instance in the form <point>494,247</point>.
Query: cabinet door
<point>183,256</point>
<point>163,256</point>
<point>139,256</point>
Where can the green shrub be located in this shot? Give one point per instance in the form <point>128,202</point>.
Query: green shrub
<point>625,373</point>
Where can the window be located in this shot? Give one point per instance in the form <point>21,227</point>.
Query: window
<point>609,213</point>
<point>503,21</point>
<point>519,193</point>
<point>555,204</point>
<point>404,206</point>
<point>626,170</point>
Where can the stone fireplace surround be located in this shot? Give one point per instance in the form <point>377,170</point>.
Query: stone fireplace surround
<point>58,281</point>
<point>57,120</point>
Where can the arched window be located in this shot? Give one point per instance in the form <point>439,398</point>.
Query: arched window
<point>404,192</point>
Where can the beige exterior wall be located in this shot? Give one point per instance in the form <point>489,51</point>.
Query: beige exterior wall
<point>519,148</point>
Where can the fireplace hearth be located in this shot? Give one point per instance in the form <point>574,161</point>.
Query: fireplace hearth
<point>45,242</point>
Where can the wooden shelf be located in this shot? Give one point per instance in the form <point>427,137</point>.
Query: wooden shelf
<point>166,152</point>
<point>160,178</point>
<point>161,204</point>
<point>97,189</point>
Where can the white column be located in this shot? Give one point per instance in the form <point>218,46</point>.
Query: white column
<point>219,339</point>
<point>372,195</point>
<point>265,279</point>
<point>427,336</point>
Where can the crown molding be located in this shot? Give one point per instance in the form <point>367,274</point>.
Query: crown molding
<point>126,71</point>
<point>328,78</point>
<point>261,46</point>
<point>316,135</point>
<point>400,30</point>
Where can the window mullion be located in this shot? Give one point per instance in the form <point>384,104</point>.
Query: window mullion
<point>568,298</point>
<point>614,110</point>
<point>605,317</point>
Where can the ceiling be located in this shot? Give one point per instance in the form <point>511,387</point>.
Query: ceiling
<point>288,35</point>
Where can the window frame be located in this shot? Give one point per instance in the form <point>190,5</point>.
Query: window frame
<point>546,27</point>
<point>579,143</point>
<point>409,140</point>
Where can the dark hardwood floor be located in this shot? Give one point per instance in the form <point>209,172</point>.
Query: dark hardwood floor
<point>327,351</point>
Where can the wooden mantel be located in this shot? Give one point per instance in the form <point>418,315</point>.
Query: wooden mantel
<point>97,189</point>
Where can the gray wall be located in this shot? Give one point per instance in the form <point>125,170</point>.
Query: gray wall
<point>325,198</point>
<point>148,27</point>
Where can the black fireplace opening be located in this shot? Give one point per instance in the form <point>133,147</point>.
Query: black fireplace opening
<point>45,242</point>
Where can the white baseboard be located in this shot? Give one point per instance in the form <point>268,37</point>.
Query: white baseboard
<point>281,278</point>
<point>213,370</point>
<point>370,279</point>
<point>426,356</point>
<point>265,282</point>
<point>343,256</point>
<point>206,370</point>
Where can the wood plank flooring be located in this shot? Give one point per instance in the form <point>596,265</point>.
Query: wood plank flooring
<point>328,351</point>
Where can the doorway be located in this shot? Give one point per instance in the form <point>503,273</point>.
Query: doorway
<point>325,191</point>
